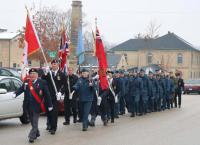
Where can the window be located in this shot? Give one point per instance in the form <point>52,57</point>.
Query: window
<point>6,84</point>
<point>149,58</point>
<point>29,63</point>
<point>14,65</point>
<point>179,58</point>
<point>1,64</point>
<point>126,57</point>
<point>17,84</point>
<point>5,73</point>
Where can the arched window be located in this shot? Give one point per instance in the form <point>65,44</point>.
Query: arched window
<point>179,58</point>
<point>149,58</point>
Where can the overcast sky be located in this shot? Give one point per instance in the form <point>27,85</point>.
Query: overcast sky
<point>119,20</point>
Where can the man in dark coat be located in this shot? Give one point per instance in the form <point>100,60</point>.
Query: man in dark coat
<point>145,93</point>
<point>135,89</point>
<point>36,93</point>
<point>85,89</point>
<point>153,91</point>
<point>111,96</point>
<point>179,87</point>
<point>57,85</point>
<point>70,101</point>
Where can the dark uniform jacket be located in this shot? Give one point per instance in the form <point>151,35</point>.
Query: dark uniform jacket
<point>135,87</point>
<point>71,79</point>
<point>42,91</point>
<point>145,90</point>
<point>179,85</point>
<point>60,82</point>
<point>153,88</point>
<point>84,91</point>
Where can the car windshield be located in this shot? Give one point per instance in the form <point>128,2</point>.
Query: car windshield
<point>15,73</point>
<point>193,82</point>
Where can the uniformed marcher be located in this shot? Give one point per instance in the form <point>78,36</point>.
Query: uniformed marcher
<point>145,96</point>
<point>153,91</point>
<point>36,92</point>
<point>111,96</point>
<point>122,93</point>
<point>164,96</point>
<point>85,89</point>
<point>59,79</point>
<point>169,91</point>
<point>70,101</point>
<point>135,89</point>
<point>179,87</point>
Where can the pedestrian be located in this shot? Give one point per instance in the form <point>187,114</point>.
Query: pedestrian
<point>57,85</point>
<point>70,100</point>
<point>85,89</point>
<point>36,94</point>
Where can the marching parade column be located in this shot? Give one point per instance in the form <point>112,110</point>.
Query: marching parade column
<point>75,24</point>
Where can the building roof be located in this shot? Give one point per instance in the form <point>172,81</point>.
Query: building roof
<point>169,41</point>
<point>112,59</point>
<point>7,35</point>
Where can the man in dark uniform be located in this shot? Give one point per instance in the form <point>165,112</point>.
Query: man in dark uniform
<point>57,85</point>
<point>179,87</point>
<point>135,89</point>
<point>35,92</point>
<point>70,102</point>
<point>164,96</point>
<point>111,96</point>
<point>85,89</point>
<point>153,90</point>
<point>145,96</point>
<point>122,94</point>
<point>169,91</point>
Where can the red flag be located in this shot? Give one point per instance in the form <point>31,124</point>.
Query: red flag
<point>31,38</point>
<point>64,51</point>
<point>101,56</point>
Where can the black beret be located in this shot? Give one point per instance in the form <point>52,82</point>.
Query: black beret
<point>84,70</point>
<point>33,70</point>
<point>141,70</point>
<point>54,61</point>
<point>150,72</point>
<point>117,71</point>
<point>110,72</point>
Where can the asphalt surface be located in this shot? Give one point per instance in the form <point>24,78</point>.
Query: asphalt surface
<point>171,127</point>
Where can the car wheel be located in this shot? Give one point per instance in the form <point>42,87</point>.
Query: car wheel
<point>24,118</point>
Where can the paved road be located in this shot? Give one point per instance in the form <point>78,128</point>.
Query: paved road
<point>172,127</point>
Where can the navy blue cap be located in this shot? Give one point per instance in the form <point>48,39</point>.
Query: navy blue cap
<point>33,70</point>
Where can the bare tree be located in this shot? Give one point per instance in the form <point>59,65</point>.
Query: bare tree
<point>152,31</point>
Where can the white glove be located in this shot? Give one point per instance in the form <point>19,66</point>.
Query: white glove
<point>116,99</point>
<point>50,108</point>
<point>58,95</point>
<point>99,99</point>
<point>47,69</point>
<point>14,95</point>
<point>71,95</point>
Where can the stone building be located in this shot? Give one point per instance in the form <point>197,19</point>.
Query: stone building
<point>10,54</point>
<point>169,51</point>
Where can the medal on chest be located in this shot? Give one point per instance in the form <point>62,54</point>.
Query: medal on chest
<point>58,78</point>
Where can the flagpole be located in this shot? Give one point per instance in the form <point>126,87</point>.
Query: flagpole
<point>41,49</point>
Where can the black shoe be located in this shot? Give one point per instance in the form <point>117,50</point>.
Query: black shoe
<point>37,135</point>
<point>84,129</point>
<point>66,123</point>
<point>75,120</point>
<point>79,120</point>
<point>92,124</point>
<point>31,140</point>
<point>105,123</point>
<point>117,116</point>
<point>48,128</point>
<point>132,115</point>
<point>52,132</point>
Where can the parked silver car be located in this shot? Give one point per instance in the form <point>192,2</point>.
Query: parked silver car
<point>11,107</point>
